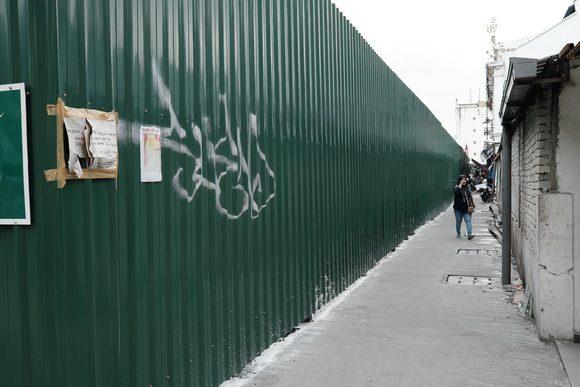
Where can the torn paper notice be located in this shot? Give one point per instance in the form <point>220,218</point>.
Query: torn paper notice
<point>102,144</point>
<point>87,135</point>
<point>75,128</point>
<point>150,154</point>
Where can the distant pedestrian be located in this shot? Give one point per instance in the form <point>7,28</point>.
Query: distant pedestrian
<point>463,201</point>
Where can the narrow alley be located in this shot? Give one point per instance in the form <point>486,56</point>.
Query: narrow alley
<point>432,313</point>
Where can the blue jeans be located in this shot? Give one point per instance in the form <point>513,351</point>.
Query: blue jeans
<point>459,215</point>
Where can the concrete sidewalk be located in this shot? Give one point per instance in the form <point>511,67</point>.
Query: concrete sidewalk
<point>404,324</point>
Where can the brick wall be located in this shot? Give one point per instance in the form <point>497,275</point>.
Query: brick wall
<point>531,163</point>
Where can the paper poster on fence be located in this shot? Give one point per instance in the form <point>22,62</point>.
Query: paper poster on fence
<point>150,154</point>
<point>103,144</point>
<point>75,129</point>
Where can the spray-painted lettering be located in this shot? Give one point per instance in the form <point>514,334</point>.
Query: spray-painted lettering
<point>233,159</point>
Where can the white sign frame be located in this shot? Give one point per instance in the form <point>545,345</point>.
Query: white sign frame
<point>24,154</point>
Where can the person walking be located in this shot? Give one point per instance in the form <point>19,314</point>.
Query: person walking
<point>463,201</point>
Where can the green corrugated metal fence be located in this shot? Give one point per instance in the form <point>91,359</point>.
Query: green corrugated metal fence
<point>293,159</point>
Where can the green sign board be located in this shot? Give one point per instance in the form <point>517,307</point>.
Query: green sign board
<point>14,193</point>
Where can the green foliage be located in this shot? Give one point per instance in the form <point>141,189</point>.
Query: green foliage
<point>491,30</point>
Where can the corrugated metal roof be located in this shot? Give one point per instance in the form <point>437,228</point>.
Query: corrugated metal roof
<point>525,73</point>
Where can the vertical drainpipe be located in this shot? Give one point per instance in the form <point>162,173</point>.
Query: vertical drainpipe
<point>506,205</point>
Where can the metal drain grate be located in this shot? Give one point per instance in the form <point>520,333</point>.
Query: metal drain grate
<point>471,280</point>
<point>478,252</point>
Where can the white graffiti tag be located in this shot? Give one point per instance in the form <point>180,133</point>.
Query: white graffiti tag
<point>233,158</point>
<point>229,157</point>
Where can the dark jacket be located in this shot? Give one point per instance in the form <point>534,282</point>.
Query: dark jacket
<point>460,203</point>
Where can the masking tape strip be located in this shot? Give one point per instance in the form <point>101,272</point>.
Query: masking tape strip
<point>64,174</point>
<point>61,173</point>
<point>82,113</point>
<point>60,163</point>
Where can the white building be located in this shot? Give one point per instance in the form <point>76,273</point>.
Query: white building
<point>470,127</point>
<point>540,189</point>
<point>536,46</point>
<point>540,186</point>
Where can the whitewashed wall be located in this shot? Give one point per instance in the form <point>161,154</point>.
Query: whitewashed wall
<point>545,183</point>
<point>568,169</point>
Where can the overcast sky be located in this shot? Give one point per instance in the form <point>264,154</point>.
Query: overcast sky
<point>438,48</point>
